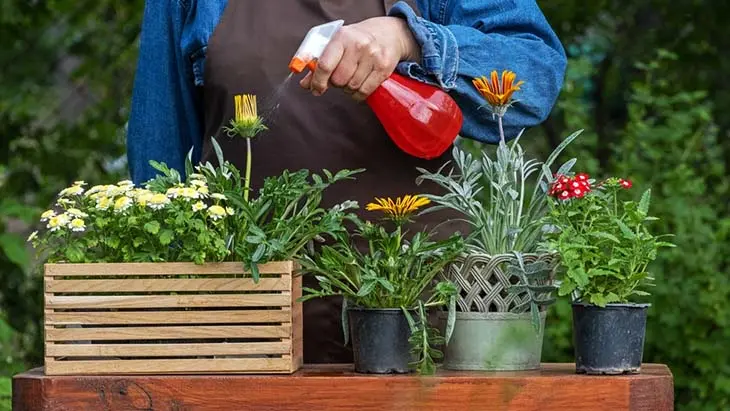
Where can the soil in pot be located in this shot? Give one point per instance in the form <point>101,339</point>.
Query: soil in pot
<point>380,340</point>
<point>609,340</point>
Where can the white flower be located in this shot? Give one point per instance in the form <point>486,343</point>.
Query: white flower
<point>143,197</point>
<point>47,214</point>
<point>199,206</point>
<point>122,204</point>
<point>80,183</point>
<point>103,203</point>
<point>55,223</point>
<point>230,211</point>
<point>174,192</point>
<point>33,236</point>
<point>189,193</point>
<point>158,201</point>
<point>125,183</point>
<point>75,212</point>
<point>64,202</point>
<point>74,190</point>
<point>78,225</point>
<point>198,183</point>
<point>203,191</point>
<point>218,196</point>
<point>216,212</point>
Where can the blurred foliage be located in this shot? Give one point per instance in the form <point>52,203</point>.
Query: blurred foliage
<point>646,80</point>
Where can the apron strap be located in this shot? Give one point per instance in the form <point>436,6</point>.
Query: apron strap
<point>390,3</point>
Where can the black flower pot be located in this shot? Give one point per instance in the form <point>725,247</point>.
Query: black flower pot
<point>380,340</point>
<point>609,340</point>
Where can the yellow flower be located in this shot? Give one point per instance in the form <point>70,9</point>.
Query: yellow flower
<point>57,222</point>
<point>246,122</point>
<point>47,214</point>
<point>64,202</point>
<point>498,92</point>
<point>216,212</point>
<point>198,183</point>
<point>218,196</point>
<point>122,204</point>
<point>158,201</point>
<point>78,225</point>
<point>230,211</point>
<point>189,193</point>
<point>75,212</point>
<point>401,208</point>
<point>74,190</point>
<point>199,206</point>
<point>143,197</point>
<point>125,183</point>
<point>103,203</point>
<point>203,191</point>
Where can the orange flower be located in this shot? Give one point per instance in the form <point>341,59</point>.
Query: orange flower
<point>498,92</point>
<point>400,208</point>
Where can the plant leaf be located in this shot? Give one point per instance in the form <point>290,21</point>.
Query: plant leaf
<point>14,249</point>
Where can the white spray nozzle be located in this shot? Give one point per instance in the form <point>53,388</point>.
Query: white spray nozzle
<point>313,46</point>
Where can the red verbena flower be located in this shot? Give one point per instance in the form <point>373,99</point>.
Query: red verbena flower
<point>625,183</point>
<point>582,177</point>
<point>564,195</point>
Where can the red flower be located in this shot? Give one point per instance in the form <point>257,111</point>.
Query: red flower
<point>582,177</point>
<point>625,183</point>
<point>564,195</point>
<point>578,193</point>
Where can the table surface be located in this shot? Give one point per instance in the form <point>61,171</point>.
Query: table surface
<point>337,387</point>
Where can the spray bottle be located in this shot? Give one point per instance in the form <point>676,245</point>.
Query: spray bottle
<point>421,119</point>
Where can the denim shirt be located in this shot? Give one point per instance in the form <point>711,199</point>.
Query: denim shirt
<point>459,40</point>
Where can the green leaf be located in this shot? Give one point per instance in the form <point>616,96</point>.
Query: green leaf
<point>606,236</point>
<point>166,236</point>
<point>153,227</point>
<point>138,241</point>
<point>366,289</point>
<point>625,230</point>
<point>258,253</point>
<point>345,322</point>
<point>450,319</point>
<point>74,253</point>
<point>644,202</point>
<point>598,299</point>
<point>566,287</point>
<point>13,246</point>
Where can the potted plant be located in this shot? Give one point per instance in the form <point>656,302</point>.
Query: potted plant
<point>387,280</point>
<point>605,246</point>
<point>183,275</point>
<point>504,282</point>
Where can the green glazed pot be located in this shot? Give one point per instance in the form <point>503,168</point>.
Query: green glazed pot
<point>494,342</point>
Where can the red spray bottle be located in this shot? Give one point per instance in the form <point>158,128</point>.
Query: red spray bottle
<point>421,119</point>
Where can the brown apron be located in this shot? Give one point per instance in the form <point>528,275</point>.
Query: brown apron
<point>249,53</point>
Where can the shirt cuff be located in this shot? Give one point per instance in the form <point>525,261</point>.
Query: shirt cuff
<point>439,51</point>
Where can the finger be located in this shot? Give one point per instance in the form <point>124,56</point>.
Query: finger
<point>326,65</point>
<point>364,68</point>
<point>347,66</point>
<point>381,70</point>
<point>306,82</point>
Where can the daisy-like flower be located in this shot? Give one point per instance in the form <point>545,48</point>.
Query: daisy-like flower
<point>125,183</point>
<point>158,201</point>
<point>75,212</point>
<point>57,222</point>
<point>47,215</point>
<point>189,193</point>
<point>199,206</point>
<point>32,236</point>
<point>198,183</point>
<point>203,191</point>
<point>230,211</point>
<point>246,122</point>
<point>77,225</point>
<point>174,192</point>
<point>399,209</point>
<point>122,204</point>
<point>74,190</point>
<point>218,196</point>
<point>103,203</point>
<point>216,212</point>
<point>498,91</point>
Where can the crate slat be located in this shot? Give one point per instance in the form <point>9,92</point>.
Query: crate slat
<point>179,366</point>
<point>168,332</point>
<point>165,285</point>
<point>167,350</point>
<point>117,269</point>
<point>167,301</point>
<point>169,317</point>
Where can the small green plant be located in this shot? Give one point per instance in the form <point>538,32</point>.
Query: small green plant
<point>389,271</point>
<point>604,243</point>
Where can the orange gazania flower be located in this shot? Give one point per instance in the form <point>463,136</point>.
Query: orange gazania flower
<point>400,208</point>
<point>496,91</point>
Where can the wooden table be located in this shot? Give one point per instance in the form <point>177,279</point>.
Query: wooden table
<point>333,387</point>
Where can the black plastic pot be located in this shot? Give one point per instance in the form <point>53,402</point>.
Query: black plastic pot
<point>380,340</point>
<point>609,340</point>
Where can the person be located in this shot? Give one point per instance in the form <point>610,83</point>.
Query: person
<point>195,55</point>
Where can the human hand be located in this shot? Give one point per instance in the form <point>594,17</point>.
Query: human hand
<point>363,55</point>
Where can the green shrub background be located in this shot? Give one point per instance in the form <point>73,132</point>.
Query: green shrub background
<point>646,80</point>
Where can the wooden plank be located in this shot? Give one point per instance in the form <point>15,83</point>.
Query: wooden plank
<point>297,346</point>
<point>169,317</point>
<point>113,269</point>
<point>169,366</point>
<point>165,285</point>
<point>554,388</point>
<point>166,350</point>
<point>168,333</point>
<point>166,301</point>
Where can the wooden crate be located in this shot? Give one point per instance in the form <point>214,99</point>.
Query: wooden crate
<point>171,318</point>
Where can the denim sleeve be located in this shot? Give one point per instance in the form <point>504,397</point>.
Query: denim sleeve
<point>461,40</point>
<point>164,121</point>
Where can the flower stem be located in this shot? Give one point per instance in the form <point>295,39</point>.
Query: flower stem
<point>501,128</point>
<point>248,169</point>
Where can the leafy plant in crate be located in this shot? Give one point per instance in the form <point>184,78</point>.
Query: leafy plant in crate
<point>606,247</point>
<point>504,282</point>
<point>387,279</point>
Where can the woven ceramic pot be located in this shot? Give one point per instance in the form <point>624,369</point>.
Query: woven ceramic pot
<point>494,328</point>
